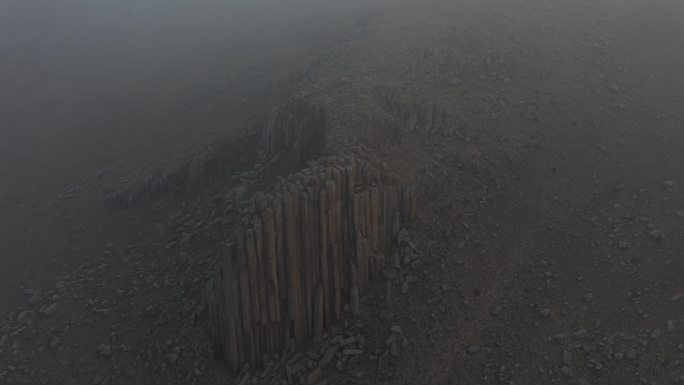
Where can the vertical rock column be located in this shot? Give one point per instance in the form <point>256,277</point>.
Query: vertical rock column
<point>300,253</point>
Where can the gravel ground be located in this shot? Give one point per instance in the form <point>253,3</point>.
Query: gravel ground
<point>546,142</point>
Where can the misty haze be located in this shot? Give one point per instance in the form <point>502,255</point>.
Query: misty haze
<point>341,192</point>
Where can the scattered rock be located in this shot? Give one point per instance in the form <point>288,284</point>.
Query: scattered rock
<point>566,358</point>
<point>35,298</point>
<point>23,316</point>
<point>390,340</point>
<point>246,379</point>
<point>655,333</point>
<point>352,352</point>
<point>357,374</point>
<point>50,310</point>
<point>104,350</point>
<point>657,235</point>
<point>631,354</point>
<point>581,334</point>
<point>328,356</point>
<point>99,379</point>
<point>314,376</point>
<point>394,350</point>
<point>566,371</point>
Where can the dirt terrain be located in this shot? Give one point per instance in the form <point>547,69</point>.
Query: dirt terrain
<point>546,142</point>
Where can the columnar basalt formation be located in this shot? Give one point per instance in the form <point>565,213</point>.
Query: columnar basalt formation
<point>297,127</point>
<point>417,113</point>
<point>301,253</point>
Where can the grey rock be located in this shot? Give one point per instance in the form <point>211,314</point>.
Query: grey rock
<point>566,357</point>
<point>670,326</point>
<point>50,310</point>
<point>581,334</point>
<point>631,354</point>
<point>390,340</point>
<point>35,298</point>
<point>246,379</point>
<point>357,374</point>
<point>412,279</point>
<point>680,214</point>
<point>352,352</point>
<point>618,356</point>
<point>566,371</point>
<point>54,342</point>
<point>472,349</point>
<point>496,311</point>
<point>396,329</point>
<point>104,350</point>
<point>657,235</point>
<point>98,379</point>
<point>676,297</point>
<point>328,356</point>
<point>394,350</point>
<point>655,333</point>
<point>314,376</point>
<point>339,365</point>
<point>23,316</point>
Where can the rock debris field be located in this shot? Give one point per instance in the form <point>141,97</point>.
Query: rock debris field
<point>446,192</point>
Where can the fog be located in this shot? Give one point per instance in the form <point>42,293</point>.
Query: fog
<point>81,77</point>
<point>341,192</point>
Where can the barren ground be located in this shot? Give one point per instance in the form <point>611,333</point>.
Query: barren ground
<point>551,222</point>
